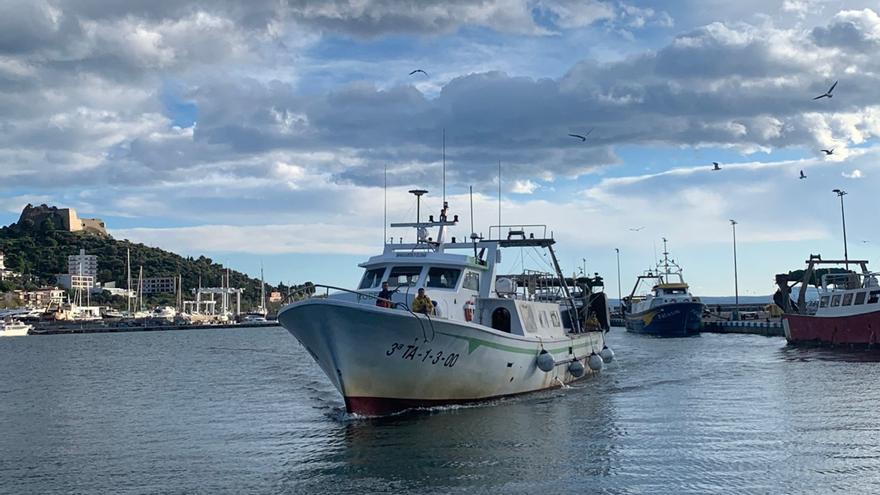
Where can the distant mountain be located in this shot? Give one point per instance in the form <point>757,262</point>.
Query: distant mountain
<point>40,252</point>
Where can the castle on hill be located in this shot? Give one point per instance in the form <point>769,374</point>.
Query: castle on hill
<point>63,219</point>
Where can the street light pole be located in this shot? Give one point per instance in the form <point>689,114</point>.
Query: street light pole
<point>841,193</point>
<point>735,277</point>
<point>619,302</point>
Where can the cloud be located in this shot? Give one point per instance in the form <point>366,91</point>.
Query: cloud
<point>855,174</point>
<point>524,187</point>
<point>261,239</point>
<point>86,121</point>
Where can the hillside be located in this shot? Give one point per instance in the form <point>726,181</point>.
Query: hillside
<point>40,252</point>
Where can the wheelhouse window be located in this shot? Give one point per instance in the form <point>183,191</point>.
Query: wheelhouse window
<point>554,318</point>
<point>847,299</point>
<point>823,302</point>
<point>372,278</point>
<point>443,278</point>
<point>835,300</point>
<point>403,276</point>
<point>874,297</point>
<point>860,297</point>
<point>471,281</point>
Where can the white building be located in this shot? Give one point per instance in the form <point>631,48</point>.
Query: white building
<point>69,281</point>
<point>83,264</point>
<point>4,273</point>
<point>41,298</point>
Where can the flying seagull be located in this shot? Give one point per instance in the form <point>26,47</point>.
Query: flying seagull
<point>419,70</point>
<point>636,229</point>
<point>716,166</point>
<point>828,152</point>
<point>802,175</point>
<point>827,94</point>
<point>582,138</point>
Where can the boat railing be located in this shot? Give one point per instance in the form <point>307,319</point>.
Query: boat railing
<point>522,231</point>
<point>312,292</point>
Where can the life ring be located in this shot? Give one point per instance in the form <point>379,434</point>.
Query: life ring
<point>468,311</point>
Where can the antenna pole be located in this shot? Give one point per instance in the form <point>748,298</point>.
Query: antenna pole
<point>499,199</point>
<point>472,207</point>
<point>444,165</point>
<point>385,209</point>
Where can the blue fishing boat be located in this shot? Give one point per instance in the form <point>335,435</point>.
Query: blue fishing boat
<point>668,309</point>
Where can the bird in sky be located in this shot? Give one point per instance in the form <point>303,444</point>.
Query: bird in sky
<point>716,166</point>
<point>419,70</point>
<point>636,229</point>
<point>802,175</point>
<point>828,152</point>
<point>827,94</point>
<point>582,137</point>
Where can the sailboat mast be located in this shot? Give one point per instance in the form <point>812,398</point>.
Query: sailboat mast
<point>140,298</point>
<point>262,289</point>
<point>128,279</point>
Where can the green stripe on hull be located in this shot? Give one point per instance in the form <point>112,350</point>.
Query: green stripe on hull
<point>474,343</point>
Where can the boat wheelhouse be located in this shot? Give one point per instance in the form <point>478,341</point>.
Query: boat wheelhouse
<point>848,308</point>
<point>479,338</point>
<point>669,309</point>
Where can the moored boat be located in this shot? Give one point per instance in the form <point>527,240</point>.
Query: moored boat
<point>669,309</point>
<point>848,309</point>
<point>14,328</point>
<point>476,339</point>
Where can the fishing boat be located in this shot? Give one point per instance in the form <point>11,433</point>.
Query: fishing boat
<point>669,309</point>
<point>848,309</point>
<point>478,339</point>
<point>14,328</point>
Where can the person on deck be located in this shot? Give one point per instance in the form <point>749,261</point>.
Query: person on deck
<point>385,294</point>
<point>422,303</point>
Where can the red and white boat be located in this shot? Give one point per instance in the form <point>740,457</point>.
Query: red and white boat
<point>847,311</point>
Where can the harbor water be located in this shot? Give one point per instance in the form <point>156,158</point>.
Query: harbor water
<point>247,411</point>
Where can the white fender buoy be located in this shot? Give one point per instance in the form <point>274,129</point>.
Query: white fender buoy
<point>545,361</point>
<point>595,362</point>
<point>607,354</point>
<point>576,369</point>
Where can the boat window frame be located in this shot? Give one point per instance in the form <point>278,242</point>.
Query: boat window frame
<point>414,283</point>
<point>542,319</point>
<point>835,300</point>
<point>823,301</point>
<point>554,318</point>
<point>530,323</point>
<point>861,296</point>
<point>446,270</point>
<point>472,275</point>
<point>873,297</point>
<point>847,299</point>
<point>378,281</point>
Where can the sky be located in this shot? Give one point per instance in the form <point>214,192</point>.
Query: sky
<point>263,131</point>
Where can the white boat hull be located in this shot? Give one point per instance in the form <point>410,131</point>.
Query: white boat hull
<point>384,360</point>
<point>17,331</point>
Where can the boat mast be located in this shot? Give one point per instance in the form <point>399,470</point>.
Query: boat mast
<point>262,290</point>
<point>665,262</point>
<point>128,279</point>
<point>575,319</point>
<point>140,296</point>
